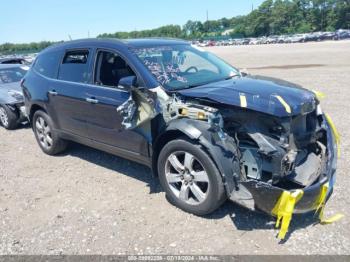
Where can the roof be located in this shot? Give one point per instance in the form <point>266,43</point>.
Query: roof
<point>141,42</point>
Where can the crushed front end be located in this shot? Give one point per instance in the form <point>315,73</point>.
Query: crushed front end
<point>282,154</point>
<point>281,163</point>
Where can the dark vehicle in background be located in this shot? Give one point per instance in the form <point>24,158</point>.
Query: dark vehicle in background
<point>208,132</point>
<point>342,34</point>
<point>12,111</point>
<point>315,37</point>
<point>328,36</point>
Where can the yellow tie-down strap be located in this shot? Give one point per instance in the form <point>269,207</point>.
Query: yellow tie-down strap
<point>284,208</point>
<point>321,203</point>
<point>335,132</point>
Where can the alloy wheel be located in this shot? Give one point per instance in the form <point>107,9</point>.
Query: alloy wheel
<point>43,132</point>
<point>4,117</point>
<point>187,177</point>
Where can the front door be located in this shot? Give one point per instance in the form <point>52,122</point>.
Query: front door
<point>104,123</point>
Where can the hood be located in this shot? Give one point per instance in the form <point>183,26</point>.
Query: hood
<point>9,93</point>
<point>263,94</point>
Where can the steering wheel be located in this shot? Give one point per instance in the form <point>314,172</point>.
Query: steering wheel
<point>191,68</point>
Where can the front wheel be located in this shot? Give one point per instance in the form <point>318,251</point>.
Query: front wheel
<point>190,178</point>
<point>8,119</point>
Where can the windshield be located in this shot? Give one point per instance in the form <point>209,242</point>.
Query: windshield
<point>10,75</point>
<point>183,66</point>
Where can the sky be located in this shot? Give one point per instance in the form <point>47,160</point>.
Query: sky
<point>23,21</point>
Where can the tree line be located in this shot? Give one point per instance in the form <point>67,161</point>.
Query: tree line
<point>272,17</point>
<point>24,48</point>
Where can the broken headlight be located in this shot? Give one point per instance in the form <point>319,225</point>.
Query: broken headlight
<point>15,94</point>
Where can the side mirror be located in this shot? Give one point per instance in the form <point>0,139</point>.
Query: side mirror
<point>244,72</point>
<point>128,82</point>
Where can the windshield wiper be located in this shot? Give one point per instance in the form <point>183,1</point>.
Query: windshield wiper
<point>232,76</point>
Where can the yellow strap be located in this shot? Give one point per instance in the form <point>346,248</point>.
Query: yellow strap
<point>331,219</point>
<point>321,204</point>
<point>243,100</point>
<point>284,103</point>
<point>284,210</point>
<point>319,94</point>
<point>321,200</point>
<point>335,132</point>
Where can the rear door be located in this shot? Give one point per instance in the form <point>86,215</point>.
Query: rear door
<point>105,123</point>
<point>67,94</point>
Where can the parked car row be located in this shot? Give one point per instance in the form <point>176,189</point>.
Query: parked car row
<point>209,132</point>
<point>12,111</point>
<point>279,39</point>
<point>17,59</point>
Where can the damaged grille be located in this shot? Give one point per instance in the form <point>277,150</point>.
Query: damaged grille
<point>288,152</point>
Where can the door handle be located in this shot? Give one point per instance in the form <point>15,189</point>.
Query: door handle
<point>53,92</point>
<point>92,100</point>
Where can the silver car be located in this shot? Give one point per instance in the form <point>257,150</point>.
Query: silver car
<point>12,111</point>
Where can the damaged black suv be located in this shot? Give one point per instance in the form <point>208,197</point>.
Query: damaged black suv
<point>209,132</point>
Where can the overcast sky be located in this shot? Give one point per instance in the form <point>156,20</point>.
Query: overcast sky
<point>36,20</point>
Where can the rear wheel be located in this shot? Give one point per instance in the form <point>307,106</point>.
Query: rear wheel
<point>190,178</point>
<point>8,118</point>
<point>46,136</point>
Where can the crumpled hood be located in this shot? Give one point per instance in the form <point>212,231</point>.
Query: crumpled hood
<point>263,94</point>
<point>6,97</point>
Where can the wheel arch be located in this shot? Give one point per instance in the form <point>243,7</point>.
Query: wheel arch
<point>222,152</point>
<point>160,142</point>
<point>33,109</point>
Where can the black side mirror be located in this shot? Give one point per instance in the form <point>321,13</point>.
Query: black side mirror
<point>244,72</point>
<point>128,82</point>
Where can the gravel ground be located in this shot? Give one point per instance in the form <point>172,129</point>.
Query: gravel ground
<point>89,202</point>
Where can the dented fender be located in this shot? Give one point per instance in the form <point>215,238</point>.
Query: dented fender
<point>222,150</point>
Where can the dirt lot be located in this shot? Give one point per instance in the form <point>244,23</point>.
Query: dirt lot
<point>89,202</point>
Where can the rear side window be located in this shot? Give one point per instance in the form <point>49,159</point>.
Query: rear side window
<point>74,67</point>
<point>47,64</point>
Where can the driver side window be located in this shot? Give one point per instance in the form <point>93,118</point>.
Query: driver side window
<point>110,68</point>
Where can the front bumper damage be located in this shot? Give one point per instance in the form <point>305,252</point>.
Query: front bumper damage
<point>20,111</point>
<point>283,203</point>
<point>204,124</point>
<point>264,196</point>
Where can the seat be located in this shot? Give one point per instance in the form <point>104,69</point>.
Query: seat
<point>113,68</point>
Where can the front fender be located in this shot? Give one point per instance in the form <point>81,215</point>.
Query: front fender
<point>223,150</point>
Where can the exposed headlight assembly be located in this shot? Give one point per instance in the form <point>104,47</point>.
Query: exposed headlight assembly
<point>15,94</point>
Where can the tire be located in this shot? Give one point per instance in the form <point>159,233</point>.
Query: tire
<point>47,138</point>
<point>196,184</point>
<point>8,118</point>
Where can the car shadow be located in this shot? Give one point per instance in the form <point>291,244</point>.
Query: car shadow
<point>246,220</point>
<point>114,163</point>
<point>25,126</point>
<point>242,218</point>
